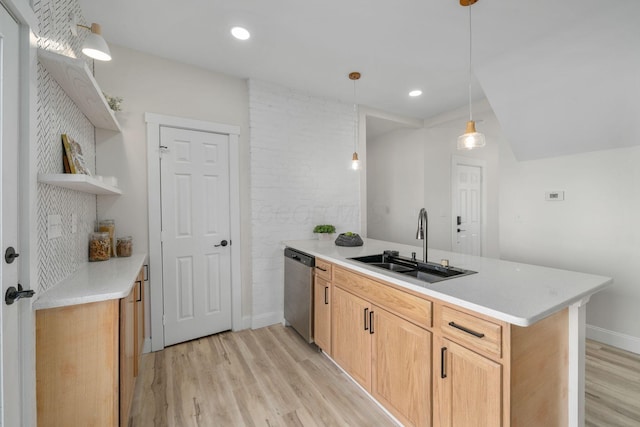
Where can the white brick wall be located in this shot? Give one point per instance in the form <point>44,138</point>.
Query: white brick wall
<point>301,149</point>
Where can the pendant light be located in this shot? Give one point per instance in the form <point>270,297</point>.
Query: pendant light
<point>355,163</point>
<point>471,138</point>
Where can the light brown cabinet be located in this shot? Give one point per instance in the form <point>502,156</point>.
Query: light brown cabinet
<point>430,362</point>
<point>470,393</point>
<point>351,340</point>
<point>138,321</point>
<point>401,368</point>
<point>491,373</point>
<point>86,358</point>
<point>388,355</point>
<point>127,358</point>
<point>322,291</point>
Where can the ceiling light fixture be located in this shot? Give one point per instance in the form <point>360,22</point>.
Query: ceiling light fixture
<point>94,45</point>
<point>415,93</point>
<point>355,162</point>
<point>240,33</point>
<point>471,138</point>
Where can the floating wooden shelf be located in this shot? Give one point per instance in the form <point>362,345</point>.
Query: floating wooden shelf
<point>76,80</point>
<point>79,182</point>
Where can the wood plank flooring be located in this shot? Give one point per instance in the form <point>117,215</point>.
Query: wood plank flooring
<point>271,377</point>
<point>612,387</point>
<point>265,377</point>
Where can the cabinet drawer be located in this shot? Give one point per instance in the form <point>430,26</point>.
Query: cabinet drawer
<point>406,305</point>
<point>471,331</point>
<point>323,269</point>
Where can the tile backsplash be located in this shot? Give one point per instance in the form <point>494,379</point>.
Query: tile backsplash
<point>57,114</point>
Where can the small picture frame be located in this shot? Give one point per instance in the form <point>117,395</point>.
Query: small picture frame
<point>73,160</point>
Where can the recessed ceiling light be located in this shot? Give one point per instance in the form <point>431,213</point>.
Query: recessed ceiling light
<point>240,33</point>
<point>415,93</point>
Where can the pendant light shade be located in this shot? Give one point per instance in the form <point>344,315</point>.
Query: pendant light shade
<point>471,138</point>
<point>94,45</point>
<point>355,162</point>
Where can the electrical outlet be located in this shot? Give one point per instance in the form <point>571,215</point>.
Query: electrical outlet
<point>554,196</point>
<point>74,223</point>
<point>54,226</point>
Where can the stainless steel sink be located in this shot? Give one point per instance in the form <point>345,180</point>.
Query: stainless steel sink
<point>426,272</point>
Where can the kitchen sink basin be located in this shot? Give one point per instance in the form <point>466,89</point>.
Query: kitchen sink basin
<point>426,272</point>
<point>392,266</point>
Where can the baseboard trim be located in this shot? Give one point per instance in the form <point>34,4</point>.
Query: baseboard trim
<point>146,346</point>
<point>266,319</point>
<point>246,322</point>
<point>616,339</point>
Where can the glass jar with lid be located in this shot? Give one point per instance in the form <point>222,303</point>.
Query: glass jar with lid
<point>109,226</point>
<point>124,246</point>
<point>99,246</point>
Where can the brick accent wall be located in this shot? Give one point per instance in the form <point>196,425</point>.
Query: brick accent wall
<point>301,149</point>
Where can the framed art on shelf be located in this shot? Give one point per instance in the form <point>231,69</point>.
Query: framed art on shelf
<point>73,160</point>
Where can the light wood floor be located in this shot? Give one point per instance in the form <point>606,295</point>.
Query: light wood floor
<point>613,387</point>
<point>271,377</point>
<point>265,377</point>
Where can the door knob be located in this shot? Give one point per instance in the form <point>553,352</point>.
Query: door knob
<point>13,294</point>
<point>223,243</point>
<point>10,255</point>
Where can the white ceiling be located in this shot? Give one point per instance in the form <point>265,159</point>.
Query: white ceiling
<point>396,45</point>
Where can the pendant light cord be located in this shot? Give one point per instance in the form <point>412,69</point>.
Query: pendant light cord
<point>355,119</point>
<point>470,69</point>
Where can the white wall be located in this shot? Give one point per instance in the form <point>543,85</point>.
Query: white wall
<point>301,149</point>
<point>395,185</point>
<point>153,84</point>
<point>411,168</point>
<point>594,230</point>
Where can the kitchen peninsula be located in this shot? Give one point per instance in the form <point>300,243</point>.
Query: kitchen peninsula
<point>503,346</point>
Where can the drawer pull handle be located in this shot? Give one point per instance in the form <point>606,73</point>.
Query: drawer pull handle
<point>366,325</point>
<point>443,373</point>
<point>139,282</point>
<point>326,298</point>
<point>469,331</point>
<point>321,269</point>
<point>371,322</point>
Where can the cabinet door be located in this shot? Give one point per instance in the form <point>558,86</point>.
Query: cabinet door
<point>322,314</point>
<point>138,290</point>
<point>127,355</point>
<point>77,365</point>
<point>351,339</point>
<point>470,394</point>
<point>401,375</point>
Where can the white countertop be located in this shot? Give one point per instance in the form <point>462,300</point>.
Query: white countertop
<point>521,294</point>
<point>93,282</point>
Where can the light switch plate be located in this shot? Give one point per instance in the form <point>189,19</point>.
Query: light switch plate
<point>554,196</point>
<point>54,226</point>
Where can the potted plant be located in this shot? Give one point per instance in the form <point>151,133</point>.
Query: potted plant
<point>324,231</point>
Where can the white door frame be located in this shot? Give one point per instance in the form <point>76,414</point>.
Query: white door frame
<point>154,122</point>
<point>28,231</point>
<point>482,164</point>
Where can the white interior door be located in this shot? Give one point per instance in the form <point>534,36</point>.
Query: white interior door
<point>196,254</point>
<point>467,207</point>
<point>10,373</point>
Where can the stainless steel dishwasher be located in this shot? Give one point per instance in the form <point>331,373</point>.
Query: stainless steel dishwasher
<point>298,291</point>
